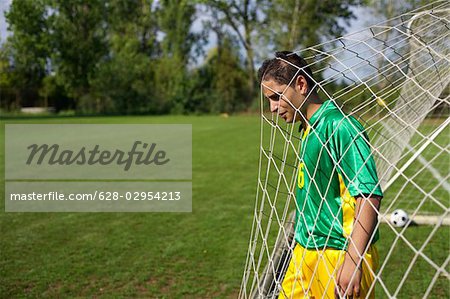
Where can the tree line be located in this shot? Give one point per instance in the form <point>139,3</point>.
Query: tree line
<point>153,57</point>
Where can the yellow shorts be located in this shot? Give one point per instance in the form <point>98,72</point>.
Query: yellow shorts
<point>303,280</point>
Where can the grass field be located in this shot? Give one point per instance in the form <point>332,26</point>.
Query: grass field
<point>171,255</point>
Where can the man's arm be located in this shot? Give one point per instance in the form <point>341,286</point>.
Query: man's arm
<point>366,218</point>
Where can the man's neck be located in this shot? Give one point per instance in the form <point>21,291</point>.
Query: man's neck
<point>312,105</point>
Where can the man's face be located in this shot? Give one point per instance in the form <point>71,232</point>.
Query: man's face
<point>283,101</point>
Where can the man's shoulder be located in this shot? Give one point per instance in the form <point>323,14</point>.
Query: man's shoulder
<point>332,115</point>
<point>337,120</point>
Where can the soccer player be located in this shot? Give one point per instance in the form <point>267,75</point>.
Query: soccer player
<point>337,192</point>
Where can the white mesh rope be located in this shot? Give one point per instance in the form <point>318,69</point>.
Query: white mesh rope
<point>394,78</point>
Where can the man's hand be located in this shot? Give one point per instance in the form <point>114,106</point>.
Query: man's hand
<point>348,279</point>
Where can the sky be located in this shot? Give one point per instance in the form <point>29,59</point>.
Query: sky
<point>4,5</point>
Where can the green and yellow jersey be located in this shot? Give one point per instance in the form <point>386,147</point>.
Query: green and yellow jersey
<point>336,165</point>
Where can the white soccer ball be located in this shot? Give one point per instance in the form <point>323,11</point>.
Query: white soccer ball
<point>399,218</point>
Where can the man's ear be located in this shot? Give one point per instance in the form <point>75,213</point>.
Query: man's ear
<point>301,85</point>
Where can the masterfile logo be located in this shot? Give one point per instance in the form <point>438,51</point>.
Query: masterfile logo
<point>52,155</point>
<point>143,152</point>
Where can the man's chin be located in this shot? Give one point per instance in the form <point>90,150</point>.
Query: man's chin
<point>290,120</point>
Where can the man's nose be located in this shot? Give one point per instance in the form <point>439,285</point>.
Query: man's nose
<point>273,106</point>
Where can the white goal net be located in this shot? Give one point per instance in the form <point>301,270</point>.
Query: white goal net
<point>392,77</point>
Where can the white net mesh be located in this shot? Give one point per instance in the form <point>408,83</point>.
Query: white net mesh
<point>394,78</point>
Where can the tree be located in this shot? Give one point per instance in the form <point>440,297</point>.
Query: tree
<point>138,19</point>
<point>7,90</point>
<point>279,24</point>
<point>124,78</point>
<point>230,78</point>
<point>294,24</point>
<point>28,46</point>
<point>219,85</point>
<point>171,79</point>
<point>123,83</point>
<point>245,20</point>
<point>388,9</point>
<point>79,31</point>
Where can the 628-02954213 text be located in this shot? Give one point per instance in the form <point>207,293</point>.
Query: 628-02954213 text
<point>171,195</point>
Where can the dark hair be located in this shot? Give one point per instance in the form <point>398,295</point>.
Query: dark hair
<point>282,72</point>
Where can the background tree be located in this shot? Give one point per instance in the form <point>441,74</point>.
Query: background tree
<point>122,83</point>
<point>175,19</point>
<point>295,24</point>
<point>7,90</point>
<point>245,20</point>
<point>28,48</point>
<point>79,42</point>
<point>148,56</point>
<point>219,85</point>
<point>123,80</point>
<point>230,78</point>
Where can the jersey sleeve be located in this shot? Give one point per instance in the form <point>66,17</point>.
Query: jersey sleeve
<point>354,160</point>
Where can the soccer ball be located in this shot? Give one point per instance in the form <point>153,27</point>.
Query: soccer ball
<point>399,218</point>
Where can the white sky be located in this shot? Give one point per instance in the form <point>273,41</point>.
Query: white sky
<point>4,5</point>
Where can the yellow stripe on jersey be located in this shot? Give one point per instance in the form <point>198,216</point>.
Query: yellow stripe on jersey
<point>306,132</point>
<point>348,203</point>
<point>301,165</point>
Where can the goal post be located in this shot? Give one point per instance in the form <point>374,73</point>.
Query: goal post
<point>393,78</point>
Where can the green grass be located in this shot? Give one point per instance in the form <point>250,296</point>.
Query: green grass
<point>169,255</point>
